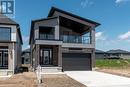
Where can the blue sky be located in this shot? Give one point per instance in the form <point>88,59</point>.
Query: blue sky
<point>114,15</point>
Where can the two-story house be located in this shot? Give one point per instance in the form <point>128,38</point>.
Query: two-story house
<point>64,41</point>
<point>10,46</point>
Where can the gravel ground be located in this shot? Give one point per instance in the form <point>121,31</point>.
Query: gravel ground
<point>60,81</point>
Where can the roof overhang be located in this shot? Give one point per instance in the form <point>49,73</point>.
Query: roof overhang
<point>53,9</point>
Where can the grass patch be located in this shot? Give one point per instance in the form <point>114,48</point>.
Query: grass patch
<point>112,63</point>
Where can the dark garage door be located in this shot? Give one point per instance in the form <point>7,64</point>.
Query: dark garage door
<point>76,61</point>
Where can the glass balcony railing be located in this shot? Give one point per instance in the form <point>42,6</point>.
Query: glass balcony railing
<point>75,39</point>
<point>47,36</point>
<point>67,38</point>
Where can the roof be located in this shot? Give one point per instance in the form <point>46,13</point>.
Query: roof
<point>118,51</point>
<point>43,19</point>
<point>7,21</point>
<point>99,51</point>
<point>26,50</point>
<point>53,9</point>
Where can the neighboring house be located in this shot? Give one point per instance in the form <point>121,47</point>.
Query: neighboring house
<point>63,41</point>
<point>99,54</point>
<point>118,54</point>
<point>26,57</point>
<point>10,46</point>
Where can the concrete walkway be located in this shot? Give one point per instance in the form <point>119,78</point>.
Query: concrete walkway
<point>99,79</point>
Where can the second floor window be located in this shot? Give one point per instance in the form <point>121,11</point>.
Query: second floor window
<point>5,34</point>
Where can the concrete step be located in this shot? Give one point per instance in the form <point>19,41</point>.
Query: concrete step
<point>51,69</point>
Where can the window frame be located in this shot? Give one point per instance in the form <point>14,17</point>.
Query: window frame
<point>9,28</point>
<point>3,60</point>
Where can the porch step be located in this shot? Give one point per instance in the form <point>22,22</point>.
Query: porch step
<point>51,69</point>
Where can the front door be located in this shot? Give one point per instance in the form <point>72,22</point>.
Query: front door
<point>46,57</point>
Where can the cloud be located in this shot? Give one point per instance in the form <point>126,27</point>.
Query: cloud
<point>25,38</point>
<point>100,36</point>
<point>125,36</point>
<point>120,1</point>
<point>25,47</point>
<point>85,3</point>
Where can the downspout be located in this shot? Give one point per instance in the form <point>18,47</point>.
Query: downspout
<point>13,59</point>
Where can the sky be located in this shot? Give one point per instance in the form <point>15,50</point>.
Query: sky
<point>113,15</point>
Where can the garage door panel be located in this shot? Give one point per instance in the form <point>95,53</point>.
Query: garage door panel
<point>76,61</point>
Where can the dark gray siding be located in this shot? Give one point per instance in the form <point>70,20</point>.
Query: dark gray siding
<point>76,61</point>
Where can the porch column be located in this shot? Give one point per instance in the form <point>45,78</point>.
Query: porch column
<point>37,55</point>
<point>59,56</point>
<point>57,32</point>
<point>93,50</point>
<point>93,59</point>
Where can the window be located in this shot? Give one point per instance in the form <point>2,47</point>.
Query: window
<point>3,59</point>
<point>5,34</point>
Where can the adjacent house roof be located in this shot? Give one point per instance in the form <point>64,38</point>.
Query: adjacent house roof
<point>99,51</point>
<point>26,50</point>
<point>7,21</point>
<point>53,9</point>
<point>26,53</point>
<point>118,51</point>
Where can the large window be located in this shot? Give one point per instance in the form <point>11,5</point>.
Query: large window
<point>5,34</point>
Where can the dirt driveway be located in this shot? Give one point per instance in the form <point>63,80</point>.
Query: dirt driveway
<point>60,81</point>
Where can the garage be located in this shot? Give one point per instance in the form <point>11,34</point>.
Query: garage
<point>76,61</point>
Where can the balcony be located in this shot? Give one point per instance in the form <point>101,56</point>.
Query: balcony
<point>75,39</point>
<point>46,37</point>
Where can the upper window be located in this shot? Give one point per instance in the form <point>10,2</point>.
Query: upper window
<point>5,34</point>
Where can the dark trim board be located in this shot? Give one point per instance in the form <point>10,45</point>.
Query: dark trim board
<point>76,61</point>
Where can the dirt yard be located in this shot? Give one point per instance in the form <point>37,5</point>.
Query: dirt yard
<point>27,79</point>
<point>121,72</point>
<point>60,81</point>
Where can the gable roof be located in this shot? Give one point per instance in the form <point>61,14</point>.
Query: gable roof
<point>118,51</point>
<point>53,9</point>
<point>7,21</point>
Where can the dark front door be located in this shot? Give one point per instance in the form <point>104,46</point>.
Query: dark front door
<point>46,57</point>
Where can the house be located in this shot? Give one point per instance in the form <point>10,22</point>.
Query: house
<point>26,57</point>
<point>10,46</point>
<point>118,54</point>
<point>63,41</point>
<point>99,54</point>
